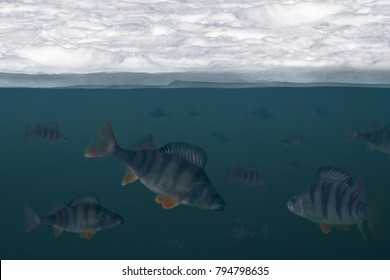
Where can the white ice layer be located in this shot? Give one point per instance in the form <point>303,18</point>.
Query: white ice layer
<point>253,41</point>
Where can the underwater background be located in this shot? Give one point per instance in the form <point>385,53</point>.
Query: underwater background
<point>236,127</point>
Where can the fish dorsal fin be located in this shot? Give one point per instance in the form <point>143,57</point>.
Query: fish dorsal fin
<point>129,176</point>
<point>144,143</point>
<point>51,125</point>
<point>88,198</point>
<point>194,154</point>
<point>333,174</point>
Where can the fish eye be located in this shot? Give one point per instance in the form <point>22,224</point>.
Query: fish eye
<point>294,199</point>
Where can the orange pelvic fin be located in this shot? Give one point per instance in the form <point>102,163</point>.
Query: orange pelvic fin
<point>166,201</point>
<point>88,234</point>
<point>129,177</point>
<point>325,228</point>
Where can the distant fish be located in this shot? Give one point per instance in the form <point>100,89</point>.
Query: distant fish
<point>294,140</point>
<point>333,200</point>
<point>378,138</point>
<point>321,111</point>
<point>83,215</point>
<point>45,131</point>
<point>242,229</point>
<point>175,172</point>
<point>247,175</point>
<point>159,113</point>
<point>220,136</point>
<point>261,113</point>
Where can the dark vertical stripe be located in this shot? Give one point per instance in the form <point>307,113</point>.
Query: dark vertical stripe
<point>340,193</point>
<point>74,217</point>
<point>150,160</point>
<point>144,159</point>
<point>180,168</point>
<point>312,192</point>
<point>325,192</point>
<point>166,160</point>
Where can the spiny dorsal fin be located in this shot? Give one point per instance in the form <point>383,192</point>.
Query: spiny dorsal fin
<point>333,174</point>
<point>194,154</point>
<point>88,198</point>
<point>145,143</point>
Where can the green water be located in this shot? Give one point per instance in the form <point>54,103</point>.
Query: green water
<point>41,174</point>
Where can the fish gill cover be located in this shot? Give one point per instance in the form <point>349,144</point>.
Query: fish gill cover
<point>49,43</point>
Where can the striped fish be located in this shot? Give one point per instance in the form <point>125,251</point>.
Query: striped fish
<point>45,131</point>
<point>83,215</point>
<point>294,140</point>
<point>247,175</point>
<point>333,200</point>
<point>175,172</point>
<point>378,138</point>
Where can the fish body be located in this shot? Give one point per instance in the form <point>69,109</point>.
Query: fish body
<point>175,172</point>
<point>321,111</point>
<point>45,131</point>
<point>247,175</point>
<point>159,113</point>
<point>332,200</point>
<point>378,138</point>
<point>83,215</point>
<point>294,140</point>
<point>262,113</point>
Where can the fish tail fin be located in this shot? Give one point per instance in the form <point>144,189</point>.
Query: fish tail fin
<point>352,132</point>
<point>376,215</point>
<point>104,144</point>
<point>32,219</point>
